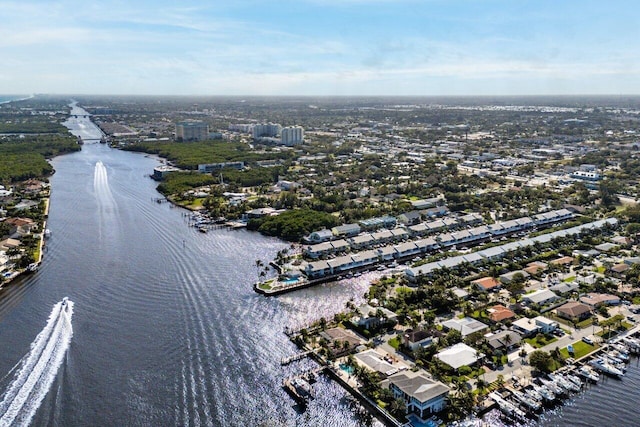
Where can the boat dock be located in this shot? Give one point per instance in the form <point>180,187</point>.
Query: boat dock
<point>297,356</point>
<point>300,386</point>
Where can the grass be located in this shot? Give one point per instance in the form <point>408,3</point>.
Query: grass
<point>601,269</point>
<point>585,323</point>
<point>580,349</point>
<point>533,342</point>
<point>395,342</point>
<point>570,279</point>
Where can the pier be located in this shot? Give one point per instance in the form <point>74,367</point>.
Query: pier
<point>298,356</point>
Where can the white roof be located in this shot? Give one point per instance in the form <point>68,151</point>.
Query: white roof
<point>458,355</point>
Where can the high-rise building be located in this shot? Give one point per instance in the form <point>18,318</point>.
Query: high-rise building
<point>192,130</point>
<point>266,130</point>
<point>292,135</point>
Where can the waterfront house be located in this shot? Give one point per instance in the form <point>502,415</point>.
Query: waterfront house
<point>459,355</point>
<point>338,336</point>
<point>319,236</point>
<point>574,311</point>
<point>371,317</point>
<point>7,244</point>
<point>422,395</point>
<point>25,205</point>
<point>20,226</point>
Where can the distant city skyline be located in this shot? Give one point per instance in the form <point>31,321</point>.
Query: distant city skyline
<point>320,47</point>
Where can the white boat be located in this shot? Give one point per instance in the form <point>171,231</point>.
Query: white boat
<point>33,267</point>
<point>526,401</point>
<point>604,366</point>
<point>546,394</point>
<point>574,379</point>
<point>47,233</point>
<point>552,386</point>
<point>589,373</point>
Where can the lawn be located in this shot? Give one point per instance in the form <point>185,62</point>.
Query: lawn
<point>394,342</point>
<point>569,279</point>
<point>601,269</point>
<point>584,323</point>
<point>533,342</point>
<point>580,349</point>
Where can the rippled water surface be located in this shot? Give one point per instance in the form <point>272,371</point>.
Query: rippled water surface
<point>166,327</point>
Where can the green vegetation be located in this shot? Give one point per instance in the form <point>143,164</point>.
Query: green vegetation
<point>580,349</point>
<point>395,342</point>
<point>188,155</point>
<point>293,225</point>
<point>179,182</point>
<point>540,340</point>
<point>26,158</point>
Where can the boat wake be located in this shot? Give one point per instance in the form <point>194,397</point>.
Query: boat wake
<point>35,373</point>
<point>101,187</point>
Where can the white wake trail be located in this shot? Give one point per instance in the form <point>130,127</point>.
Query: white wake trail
<point>38,368</point>
<point>101,187</point>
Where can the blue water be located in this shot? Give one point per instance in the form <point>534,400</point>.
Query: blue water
<point>347,369</point>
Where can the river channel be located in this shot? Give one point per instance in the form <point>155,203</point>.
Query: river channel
<point>166,327</point>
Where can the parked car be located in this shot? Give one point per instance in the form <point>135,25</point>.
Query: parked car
<point>587,340</point>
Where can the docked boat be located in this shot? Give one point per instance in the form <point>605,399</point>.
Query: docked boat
<point>47,233</point>
<point>507,407</point>
<point>546,394</point>
<point>589,373</point>
<point>33,267</point>
<point>603,365</point>
<point>527,402</point>
<point>574,379</point>
<point>553,387</point>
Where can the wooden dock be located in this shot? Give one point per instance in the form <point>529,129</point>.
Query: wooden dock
<point>297,356</point>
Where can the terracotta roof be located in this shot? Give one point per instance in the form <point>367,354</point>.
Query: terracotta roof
<point>574,308</point>
<point>562,261</point>
<point>486,283</point>
<point>498,313</point>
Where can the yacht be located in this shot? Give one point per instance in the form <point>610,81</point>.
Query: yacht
<point>545,393</point>
<point>589,373</point>
<point>606,367</point>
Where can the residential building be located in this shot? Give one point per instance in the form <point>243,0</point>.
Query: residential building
<point>371,317</point>
<point>574,311</point>
<point>504,340</point>
<point>500,313</point>
<point>292,135</point>
<point>465,326</point>
<point>486,284</point>
<point>459,355</point>
<point>546,325</point>
<point>541,297</point>
<point>416,339</point>
<point>422,395</point>
<point>525,326</point>
<point>596,300</point>
<point>192,130</point>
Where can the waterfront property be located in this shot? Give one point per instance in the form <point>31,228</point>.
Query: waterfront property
<point>422,395</point>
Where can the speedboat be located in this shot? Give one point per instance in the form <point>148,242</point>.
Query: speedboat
<point>64,301</point>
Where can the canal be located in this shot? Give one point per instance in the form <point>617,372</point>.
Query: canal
<point>166,327</point>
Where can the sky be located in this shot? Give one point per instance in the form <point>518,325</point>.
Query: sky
<point>320,47</point>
